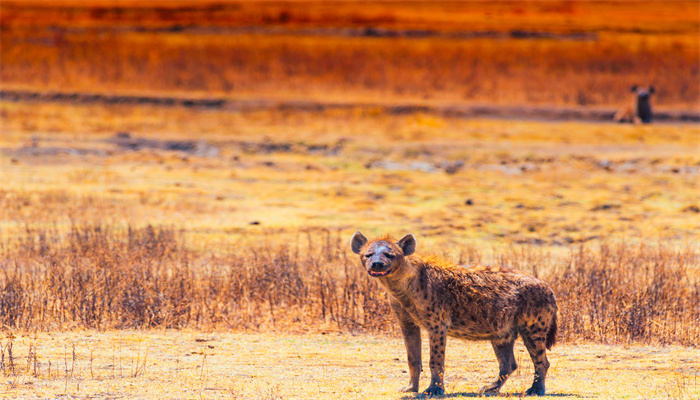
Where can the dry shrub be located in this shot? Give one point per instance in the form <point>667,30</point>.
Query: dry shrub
<point>103,278</point>
<point>99,277</point>
<point>623,293</point>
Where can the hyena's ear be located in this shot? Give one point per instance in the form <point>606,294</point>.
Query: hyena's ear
<point>634,88</point>
<point>407,244</point>
<point>358,240</point>
<point>651,89</point>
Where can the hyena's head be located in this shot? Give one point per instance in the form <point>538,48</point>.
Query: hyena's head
<point>642,96</point>
<point>382,257</point>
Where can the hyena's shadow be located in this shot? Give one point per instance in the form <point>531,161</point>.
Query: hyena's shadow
<point>481,395</point>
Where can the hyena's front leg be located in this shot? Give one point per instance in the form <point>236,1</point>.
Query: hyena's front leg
<point>411,338</point>
<point>437,336</point>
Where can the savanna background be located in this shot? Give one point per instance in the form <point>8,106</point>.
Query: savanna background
<point>180,181</point>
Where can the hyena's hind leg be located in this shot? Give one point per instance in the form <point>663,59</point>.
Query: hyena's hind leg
<point>535,339</point>
<point>506,363</point>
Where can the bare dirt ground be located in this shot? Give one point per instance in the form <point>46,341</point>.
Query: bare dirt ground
<point>541,112</point>
<point>189,364</point>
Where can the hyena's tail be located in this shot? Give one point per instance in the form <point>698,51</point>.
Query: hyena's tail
<point>552,333</point>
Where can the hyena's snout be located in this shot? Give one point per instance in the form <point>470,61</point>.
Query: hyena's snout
<point>376,266</point>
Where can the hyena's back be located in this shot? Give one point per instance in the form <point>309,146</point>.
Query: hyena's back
<point>490,303</point>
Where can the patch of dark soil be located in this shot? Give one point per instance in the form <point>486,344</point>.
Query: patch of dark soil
<point>201,148</point>
<point>91,98</point>
<point>524,207</point>
<point>321,31</point>
<point>267,146</point>
<point>566,240</point>
<point>56,151</point>
<point>532,241</point>
<point>449,167</point>
<point>605,207</point>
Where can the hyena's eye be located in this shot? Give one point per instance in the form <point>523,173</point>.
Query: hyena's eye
<point>389,255</point>
<point>368,255</point>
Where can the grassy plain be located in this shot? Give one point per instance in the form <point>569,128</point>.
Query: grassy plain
<point>222,233</point>
<point>450,180</point>
<point>194,364</point>
<point>608,212</point>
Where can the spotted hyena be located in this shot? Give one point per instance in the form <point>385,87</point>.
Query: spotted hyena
<point>640,110</point>
<point>493,304</point>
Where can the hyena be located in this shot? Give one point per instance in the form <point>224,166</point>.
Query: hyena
<point>640,111</point>
<point>494,304</point>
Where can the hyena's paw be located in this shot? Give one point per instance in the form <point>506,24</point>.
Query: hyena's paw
<point>434,389</point>
<point>536,390</point>
<point>408,389</point>
<point>491,389</point>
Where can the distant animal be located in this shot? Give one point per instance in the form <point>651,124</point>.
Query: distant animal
<point>640,110</point>
<point>494,304</point>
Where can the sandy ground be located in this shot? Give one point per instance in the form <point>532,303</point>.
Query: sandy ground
<point>190,364</point>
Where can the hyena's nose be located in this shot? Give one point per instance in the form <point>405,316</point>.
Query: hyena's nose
<point>377,265</point>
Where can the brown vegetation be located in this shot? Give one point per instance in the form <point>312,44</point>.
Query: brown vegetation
<point>98,277</point>
<point>508,53</point>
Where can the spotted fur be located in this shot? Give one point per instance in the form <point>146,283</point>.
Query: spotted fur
<point>481,303</point>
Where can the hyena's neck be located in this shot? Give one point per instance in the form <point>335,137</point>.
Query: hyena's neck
<point>400,284</point>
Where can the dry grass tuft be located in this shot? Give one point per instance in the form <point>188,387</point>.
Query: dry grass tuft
<point>98,277</point>
<point>627,293</point>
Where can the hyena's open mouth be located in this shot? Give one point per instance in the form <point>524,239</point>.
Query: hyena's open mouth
<point>379,273</point>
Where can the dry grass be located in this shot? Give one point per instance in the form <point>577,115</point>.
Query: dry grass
<point>191,365</point>
<point>295,52</point>
<point>99,278</point>
<point>77,252</point>
<point>446,16</point>
<point>552,184</point>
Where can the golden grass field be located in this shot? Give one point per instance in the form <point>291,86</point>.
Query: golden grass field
<point>553,183</point>
<point>538,191</point>
<point>166,251</point>
<point>590,55</point>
